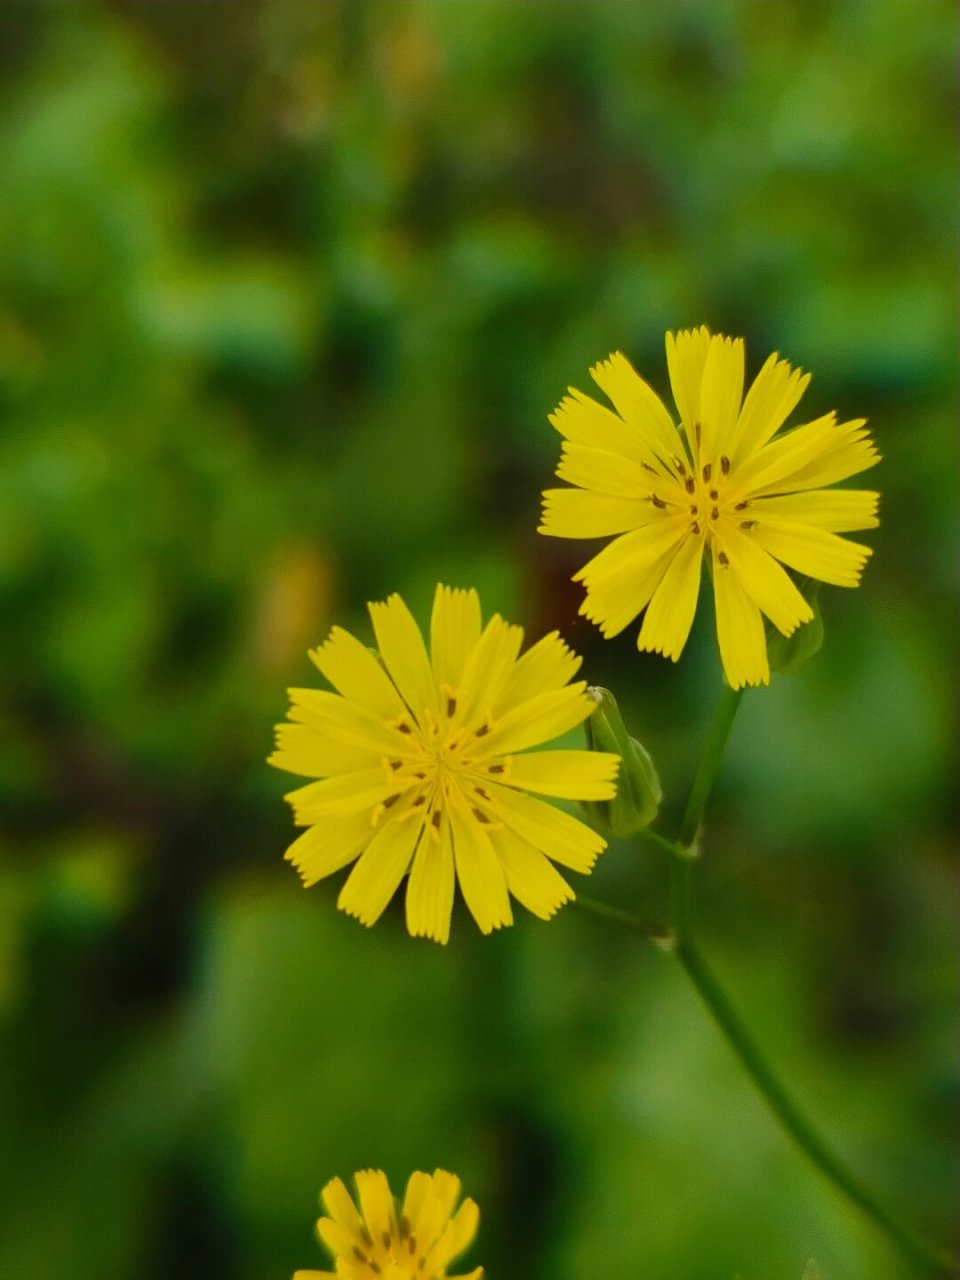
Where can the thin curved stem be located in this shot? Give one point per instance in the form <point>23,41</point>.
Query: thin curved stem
<point>603,911</point>
<point>709,765</point>
<point>929,1258</point>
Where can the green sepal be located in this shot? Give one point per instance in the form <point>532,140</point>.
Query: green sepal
<point>790,654</point>
<point>638,787</point>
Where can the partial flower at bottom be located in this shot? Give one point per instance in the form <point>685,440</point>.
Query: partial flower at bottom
<point>422,766</point>
<point>723,486</point>
<point>386,1240</point>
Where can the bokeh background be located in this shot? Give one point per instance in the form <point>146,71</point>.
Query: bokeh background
<point>287,290</point>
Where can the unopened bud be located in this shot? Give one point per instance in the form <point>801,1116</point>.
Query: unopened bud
<point>638,787</point>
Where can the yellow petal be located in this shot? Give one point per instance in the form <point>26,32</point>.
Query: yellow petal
<point>743,647</point>
<point>325,848</point>
<point>686,358</point>
<point>545,667</point>
<point>847,451</point>
<point>569,775</point>
<point>403,653</point>
<point>576,513</point>
<point>301,749</point>
<point>339,1204</point>
<point>354,672</point>
<point>488,669</point>
<point>457,1234</point>
<point>340,796</point>
<point>670,613</point>
<point>603,472</point>
<point>430,888</point>
<point>775,393</point>
<point>809,457</point>
<point>563,838</point>
<point>582,420</point>
<point>454,631</point>
<point>338,1240</point>
<point>622,578</point>
<point>374,880</point>
<point>418,1195</point>
<point>814,552</point>
<point>720,395</point>
<point>835,510</point>
<point>542,719</point>
<point>634,551</point>
<point>765,582</point>
<point>335,718</point>
<point>532,879</point>
<point>639,406</point>
<point>479,872</point>
<point>376,1202</point>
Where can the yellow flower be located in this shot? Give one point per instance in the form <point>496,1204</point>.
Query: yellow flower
<point>388,1241</point>
<point>723,485</point>
<point>422,767</point>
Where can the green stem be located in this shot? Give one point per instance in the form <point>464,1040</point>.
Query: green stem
<point>709,765</point>
<point>603,911</point>
<point>927,1257</point>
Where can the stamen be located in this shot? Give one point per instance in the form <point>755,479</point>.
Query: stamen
<point>747,524</point>
<point>694,511</point>
<point>390,800</point>
<point>715,514</point>
<point>741,506</point>
<point>481,817</point>
<point>647,467</point>
<point>496,768</point>
<point>723,558</point>
<point>714,494</point>
<point>707,470</point>
<point>690,484</point>
<point>484,795</point>
<point>404,1226</point>
<point>374,1267</point>
<point>413,1244</point>
<point>658,502</point>
<point>360,1255</point>
<point>483,730</point>
<point>394,765</point>
<point>695,527</point>
<point>367,1237</point>
<point>725,465</point>
<point>386,1239</point>
<point>451,705</point>
<point>678,464</point>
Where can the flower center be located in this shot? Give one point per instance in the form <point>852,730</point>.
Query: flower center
<point>396,1255</point>
<point>439,758</point>
<point>708,496</point>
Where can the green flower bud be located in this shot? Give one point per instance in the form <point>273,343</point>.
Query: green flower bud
<point>789,654</point>
<point>638,787</point>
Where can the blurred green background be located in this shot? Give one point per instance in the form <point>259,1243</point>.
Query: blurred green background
<point>287,290</point>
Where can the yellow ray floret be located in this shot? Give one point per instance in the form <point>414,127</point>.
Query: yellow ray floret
<point>420,766</point>
<point>379,1237</point>
<point>723,484</point>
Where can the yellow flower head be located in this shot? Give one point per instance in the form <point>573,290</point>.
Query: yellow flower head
<point>422,767</point>
<point>723,484</point>
<point>385,1240</point>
